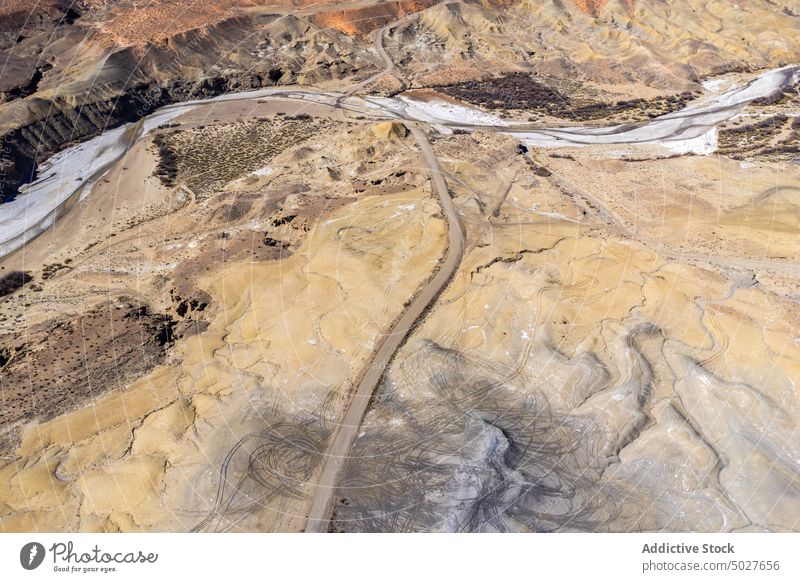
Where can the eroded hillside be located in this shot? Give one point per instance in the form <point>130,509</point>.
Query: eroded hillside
<point>613,216</point>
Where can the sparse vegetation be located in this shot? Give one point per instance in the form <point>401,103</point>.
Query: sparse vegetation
<point>208,157</point>
<point>522,92</point>
<point>774,137</point>
<point>65,363</point>
<point>13,281</point>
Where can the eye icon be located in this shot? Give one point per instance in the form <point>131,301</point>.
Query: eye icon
<point>31,555</point>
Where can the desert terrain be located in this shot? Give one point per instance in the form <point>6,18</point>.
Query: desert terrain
<point>400,266</point>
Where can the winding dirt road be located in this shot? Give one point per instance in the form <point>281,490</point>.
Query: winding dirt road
<point>389,69</point>
<point>336,456</point>
<point>69,174</point>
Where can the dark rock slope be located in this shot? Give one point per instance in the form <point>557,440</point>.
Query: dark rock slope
<point>71,81</point>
